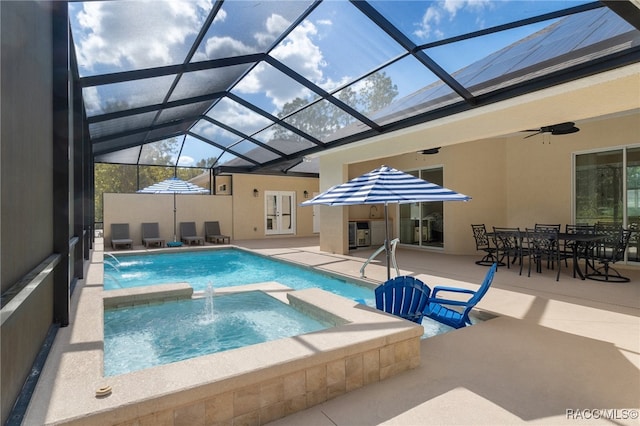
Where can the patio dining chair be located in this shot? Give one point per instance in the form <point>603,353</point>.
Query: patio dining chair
<point>543,246</point>
<point>484,243</point>
<point>609,251</point>
<point>508,246</point>
<point>566,252</point>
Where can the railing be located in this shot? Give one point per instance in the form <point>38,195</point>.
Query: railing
<point>12,298</point>
<point>393,245</point>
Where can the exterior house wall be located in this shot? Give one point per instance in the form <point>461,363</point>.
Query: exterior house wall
<point>249,211</point>
<point>540,169</point>
<point>512,181</point>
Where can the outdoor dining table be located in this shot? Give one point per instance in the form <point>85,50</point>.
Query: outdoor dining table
<point>583,240</point>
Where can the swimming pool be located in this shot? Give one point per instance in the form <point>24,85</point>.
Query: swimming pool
<point>138,337</point>
<point>232,267</point>
<point>222,268</point>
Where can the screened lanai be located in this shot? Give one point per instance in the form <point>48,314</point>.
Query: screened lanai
<point>259,87</point>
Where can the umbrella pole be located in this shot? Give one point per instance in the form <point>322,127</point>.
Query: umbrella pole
<point>174,217</point>
<point>386,241</point>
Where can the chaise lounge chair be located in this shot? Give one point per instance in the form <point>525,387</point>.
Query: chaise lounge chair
<point>403,296</point>
<point>151,235</point>
<point>212,233</point>
<point>188,233</point>
<point>437,310</point>
<point>120,235</point>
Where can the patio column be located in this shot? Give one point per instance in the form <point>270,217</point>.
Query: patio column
<point>334,235</point>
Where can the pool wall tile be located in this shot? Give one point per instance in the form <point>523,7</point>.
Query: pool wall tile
<point>249,419</point>
<point>354,372</point>
<point>190,415</point>
<point>271,392</point>
<point>219,408</point>
<point>272,412</point>
<point>336,379</point>
<point>371,366</point>
<point>246,400</point>
<point>295,384</point>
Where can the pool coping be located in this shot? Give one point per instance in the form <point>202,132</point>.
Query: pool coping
<point>73,371</point>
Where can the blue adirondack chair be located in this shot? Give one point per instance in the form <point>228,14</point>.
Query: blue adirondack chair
<point>403,296</point>
<point>456,318</point>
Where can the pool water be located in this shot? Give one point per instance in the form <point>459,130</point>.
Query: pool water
<point>222,268</point>
<point>140,337</point>
<point>227,268</point>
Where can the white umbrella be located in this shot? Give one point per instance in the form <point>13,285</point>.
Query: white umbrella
<point>173,186</point>
<point>383,186</point>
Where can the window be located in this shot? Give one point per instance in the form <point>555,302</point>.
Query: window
<point>422,224</point>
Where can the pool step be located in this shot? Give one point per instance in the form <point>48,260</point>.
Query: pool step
<point>158,293</point>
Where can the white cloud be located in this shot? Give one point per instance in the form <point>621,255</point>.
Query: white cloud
<point>275,25</point>
<point>299,52</point>
<point>235,115</point>
<point>220,47</point>
<point>448,9</point>
<point>185,160</point>
<point>92,101</point>
<point>137,34</point>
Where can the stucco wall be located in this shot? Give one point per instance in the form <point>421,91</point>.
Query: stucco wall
<point>136,209</point>
<point>540,169</point>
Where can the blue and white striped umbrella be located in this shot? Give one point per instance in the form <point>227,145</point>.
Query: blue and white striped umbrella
<point>383,186</point>
<point>173,186</point>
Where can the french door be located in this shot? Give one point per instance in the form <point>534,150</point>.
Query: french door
<point>280,212</point>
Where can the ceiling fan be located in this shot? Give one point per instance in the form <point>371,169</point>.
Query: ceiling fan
<point>555,129</point>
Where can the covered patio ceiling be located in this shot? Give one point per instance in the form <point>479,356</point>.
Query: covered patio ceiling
<point>244,86</point>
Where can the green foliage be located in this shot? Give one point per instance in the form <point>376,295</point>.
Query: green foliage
<point>323,119</point>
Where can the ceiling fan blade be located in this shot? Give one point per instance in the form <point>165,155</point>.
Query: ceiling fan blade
<point>565,131</point>
<point>533,134</point>
<point>562,127</point>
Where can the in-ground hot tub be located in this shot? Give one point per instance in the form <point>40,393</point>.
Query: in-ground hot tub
<point>254,384</point>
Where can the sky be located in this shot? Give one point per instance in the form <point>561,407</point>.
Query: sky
<point>333,46</point>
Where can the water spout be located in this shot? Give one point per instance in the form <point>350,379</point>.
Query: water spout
<point>106,262</point>
<point>209,311</point>
<point>112,256</point>
<point>112,278</point>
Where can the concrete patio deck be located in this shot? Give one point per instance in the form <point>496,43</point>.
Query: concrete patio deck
<point>557,353</point>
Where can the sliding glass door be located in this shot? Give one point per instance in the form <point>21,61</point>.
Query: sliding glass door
<point>607,190</point>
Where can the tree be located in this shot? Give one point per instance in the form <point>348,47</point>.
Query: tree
<point>322,119</point>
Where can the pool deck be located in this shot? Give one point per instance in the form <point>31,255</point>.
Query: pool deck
<point>557,352</point>
<point>557,346</point>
